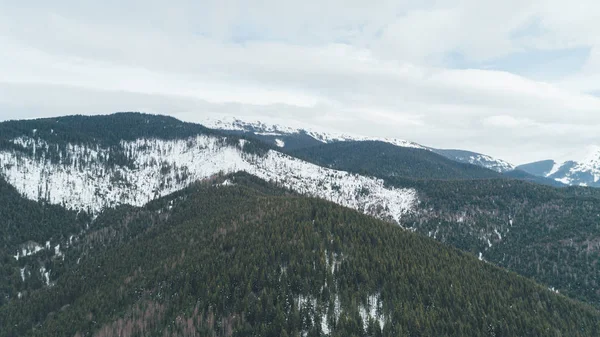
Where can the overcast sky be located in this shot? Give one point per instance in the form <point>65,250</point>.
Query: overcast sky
<point>516,79</point>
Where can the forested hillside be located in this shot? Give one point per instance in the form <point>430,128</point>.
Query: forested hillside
<point>548,234</point>
<point>387,160</point>
<point>27,228</point>
<point>278,264</point>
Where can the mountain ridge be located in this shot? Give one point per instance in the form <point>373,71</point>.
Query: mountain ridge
<point>301,137</point>
<point>585,172</point>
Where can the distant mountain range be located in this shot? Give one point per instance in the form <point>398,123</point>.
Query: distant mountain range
<point>478,159</point>
<point>581,173</point>
<point>291,139</point>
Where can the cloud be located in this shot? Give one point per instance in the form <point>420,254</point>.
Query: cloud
<point>376,68</point>
<point>505,121</point>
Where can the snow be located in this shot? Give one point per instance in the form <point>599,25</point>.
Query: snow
<point>491,163</point>
<point>590,164</point>
<point>28,249</point>
<point>82,180</point>
<point>227,182</point>
<point>279,142</point>
<point>584,172</point>
<point>272,129</point>
<point>498,233</point>
<point>555,168</point>
<point>57,251</point>
<point>372,310</point>
<point>45,275</point>
<point>23,274</point>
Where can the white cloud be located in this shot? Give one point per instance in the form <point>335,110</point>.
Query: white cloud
<point>377,68</point>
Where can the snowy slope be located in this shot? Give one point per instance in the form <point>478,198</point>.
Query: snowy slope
<point>477,159</point>
<point>271,129</point>
<point>585,172</point>
<point>83,177</point>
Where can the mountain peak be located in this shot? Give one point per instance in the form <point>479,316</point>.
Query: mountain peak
<point>584,172</point>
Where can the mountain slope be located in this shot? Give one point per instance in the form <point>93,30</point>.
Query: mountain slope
<point>540,168</point>
<point>522,175</point>
<point>385,160</point>
<point>292,138</point>
<point>508,222</point>
<point>73,171</point>
<point>541,232</point>
<point>585,172</point>
<point>29,231</point>
<point>477,159</point>
<point>112,167</point>
<point>281,265</point>
<point>299,138</point>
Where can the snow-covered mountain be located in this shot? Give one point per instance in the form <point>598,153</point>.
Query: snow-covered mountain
<point>91,177</point>
<point>303,136</point>
<point>478,159</point>
<point>283,136</point>
<point>585,172</point>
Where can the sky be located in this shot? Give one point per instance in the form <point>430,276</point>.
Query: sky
<point>518,80</point>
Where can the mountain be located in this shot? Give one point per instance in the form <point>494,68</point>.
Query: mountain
<point>541,232</point>
<point>291,138</point>
<point>385,160</point>
<point>277,264</point>
<point>540,168</point>
<point>30,228</point>
<point>299,138</point>
<point>580,173</point>
<point>538,231</point>
<point>99,165</point>
<point>478,159</point>
<point>91,163</point>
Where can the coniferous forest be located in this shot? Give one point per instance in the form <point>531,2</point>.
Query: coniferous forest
<point>278,264</point>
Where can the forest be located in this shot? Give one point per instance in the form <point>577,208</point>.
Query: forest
<point>278,264</point>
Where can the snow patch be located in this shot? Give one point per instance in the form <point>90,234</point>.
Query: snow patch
<point>372,311</point>
<point>45,275</point>
<point>160,167</point>
<point>555,168</point>
<point>279,142</point>
<point>28,249</point>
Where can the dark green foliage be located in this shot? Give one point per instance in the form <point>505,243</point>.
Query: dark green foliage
<point>548,234</point>
<point>21,222</point>
<point>237,260</point>
<point>555,234</point>
<point>522,175</point>
<point>388,161</point>
<point>107,131</point>
<point>103,130</point>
